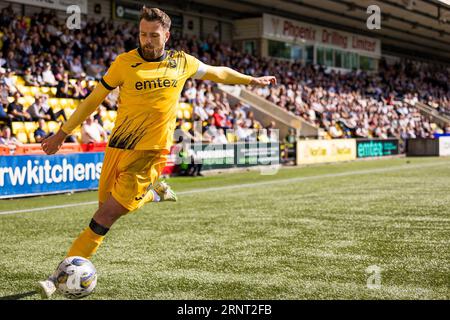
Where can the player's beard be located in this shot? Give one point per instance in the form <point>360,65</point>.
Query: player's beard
<point>151,53</point>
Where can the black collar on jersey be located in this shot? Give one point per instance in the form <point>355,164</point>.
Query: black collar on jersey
<point>152,60</point>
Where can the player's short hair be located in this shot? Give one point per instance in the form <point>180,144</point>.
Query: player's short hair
<point>155,14</point>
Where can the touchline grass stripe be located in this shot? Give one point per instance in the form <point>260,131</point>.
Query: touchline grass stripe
<point>249,185</point>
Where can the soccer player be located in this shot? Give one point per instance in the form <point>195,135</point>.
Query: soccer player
<point>150,79</point>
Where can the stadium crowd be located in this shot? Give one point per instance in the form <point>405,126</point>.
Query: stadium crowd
<point>356,104</point>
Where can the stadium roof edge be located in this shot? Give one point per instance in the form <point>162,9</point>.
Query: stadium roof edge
<point>441,2</point>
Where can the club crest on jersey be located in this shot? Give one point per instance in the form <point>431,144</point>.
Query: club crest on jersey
<point>172,63</point>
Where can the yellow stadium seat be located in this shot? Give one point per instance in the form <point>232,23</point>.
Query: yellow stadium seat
<point>180,114</point>
<point>30,126</point>
<point>22,137</point>
<point>53,126</point>
<point>63,102</point>
<point>28,101</point>
<point>20,81</point>
<point>22,89</point>
<point>69,111</point>
<point>108,125</point>
<point>53,91</point>
<point>31,137</point>
<point>17,127</point>
<point>75,103</point>
<point>53,102</point>
<point>83,83</point>
<point>10,99</point>
<point>185,106</point>
<point>77,134</point>
<point>45,90</point>
<point>70,103</point>
<point>231,137</point>
<point>112,115</point>
<point>34,90</point>
<point>187,114</point>
<point>186,126</point>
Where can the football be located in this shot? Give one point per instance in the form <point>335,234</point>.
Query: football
<point>76,277</point>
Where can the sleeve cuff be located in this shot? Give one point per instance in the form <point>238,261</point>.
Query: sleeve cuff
<point>201,71</point>
<point>107,86</point>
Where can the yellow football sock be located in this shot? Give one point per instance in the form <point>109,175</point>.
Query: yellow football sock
<point>86,244</point>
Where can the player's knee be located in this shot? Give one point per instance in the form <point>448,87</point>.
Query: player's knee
<point>107,217</point>
<point>109,212</point>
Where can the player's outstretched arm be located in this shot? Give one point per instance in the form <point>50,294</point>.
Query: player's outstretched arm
<point>52,144</point>
<point>227,75</point>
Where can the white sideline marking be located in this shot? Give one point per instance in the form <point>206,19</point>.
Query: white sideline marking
<point>49,208</point>
<point>247,185</point>
<point>328,175</point>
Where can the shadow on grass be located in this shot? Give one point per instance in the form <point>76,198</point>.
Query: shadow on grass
<point>19,295</point>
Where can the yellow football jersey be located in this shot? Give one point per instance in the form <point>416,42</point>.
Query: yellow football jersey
<point>149,93</point>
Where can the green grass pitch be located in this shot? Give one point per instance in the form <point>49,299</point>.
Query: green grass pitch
<point>304,233</point>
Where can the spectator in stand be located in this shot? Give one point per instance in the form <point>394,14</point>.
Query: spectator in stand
<point>40,133</point>
<point>263,136</point>
<point>38,76</point>
<point>181,134</point>
<point>4,93</point>
<point>272,132</point>
<point>36,112</point>
<point>11,60</point>
<point>95,69</point>
<point>289,144</point>
<point>110,101</point>
<point>335,131</point>
<point>16,111</point>
<point>7,139</point>
<point>30,79</point>
<point>76,68</point>
<point>190,92</point>
<point>354,101</point>
<point>4,116</point>
<point>239,111</point>
<point>100,114</point>
<point>62,89</point>
<point>220,137</point>
<point>242,131</point>
<point>48,77</point>
<point>9,81</point>
<point>49,111</point>
<point>2,61</point>
<point>251,122</point>
<point>92,132</point>
<point>200,113</point>
<point>218,118</point>
<point>78,91</point>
